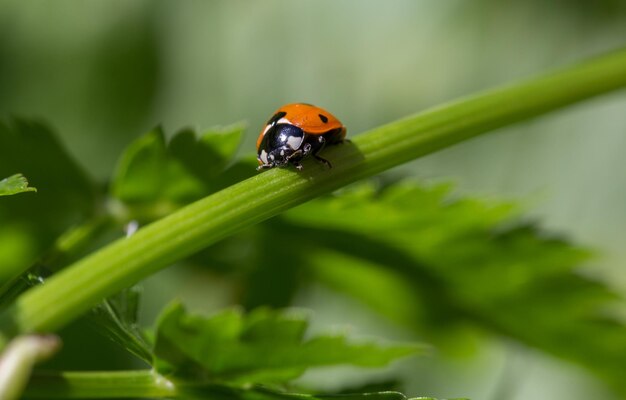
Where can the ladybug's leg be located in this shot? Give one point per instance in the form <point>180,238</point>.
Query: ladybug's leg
<point>306,149</point>
<point>295,157</point>
<point>264,166</point>
<point>322,144</point>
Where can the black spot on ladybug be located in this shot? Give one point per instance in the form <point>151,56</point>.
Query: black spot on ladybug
<point>276,117</point>
<point>323,118</point>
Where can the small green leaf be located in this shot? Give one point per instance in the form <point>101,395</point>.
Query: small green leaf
<point>116,318</point>
<point>147,174</point>
<point>207,155</point>
<point>260,347</point>
<point>15,184</point>
<point>153,177</point>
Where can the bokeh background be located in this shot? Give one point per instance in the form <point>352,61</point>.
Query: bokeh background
<point>104,72</point>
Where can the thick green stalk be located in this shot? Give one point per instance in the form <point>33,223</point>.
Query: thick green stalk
<point>124,262</point>
<point>99,385</point>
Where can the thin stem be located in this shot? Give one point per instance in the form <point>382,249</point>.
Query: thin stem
<point>79,287</point>
<point>99,385</point>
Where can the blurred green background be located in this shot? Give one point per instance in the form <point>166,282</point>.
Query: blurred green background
<point>104,72</point>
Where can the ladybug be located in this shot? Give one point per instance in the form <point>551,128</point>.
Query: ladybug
<point>294,132</point>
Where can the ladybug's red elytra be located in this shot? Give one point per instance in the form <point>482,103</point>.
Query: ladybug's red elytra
<point>294,132</point>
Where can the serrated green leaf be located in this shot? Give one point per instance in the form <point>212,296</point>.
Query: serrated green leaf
<point>263,346</point>
<point>465,260</point>
<point>264,325</point>
<point>15,184</point>
<point>428,259</point>
<point>116,318</point>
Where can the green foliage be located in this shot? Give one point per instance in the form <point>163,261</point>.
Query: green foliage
<point>65,191</point>
<point>461,259</point>
<point>263,393</point>
<point>15,184</point>
<point>116,318</point>
<point>14,248</point>
<point>142,384</point>
<point>261,347</point>
<point>153,177</point>
<point>208,155</point>
<point>31,224</point>
<point>147,173</point>
<point>430,260</point>
<point>417,255</point>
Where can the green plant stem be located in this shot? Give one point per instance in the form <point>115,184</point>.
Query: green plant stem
<point>143,384</point>
<point>69,245</point>
<point>79,287</point>
<point>19,359</point>
<point>99,385</point>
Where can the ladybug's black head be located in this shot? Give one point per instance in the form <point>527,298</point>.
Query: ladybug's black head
<point>281,144</point>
